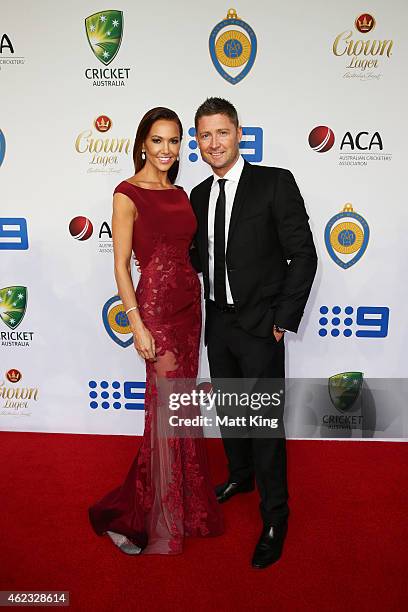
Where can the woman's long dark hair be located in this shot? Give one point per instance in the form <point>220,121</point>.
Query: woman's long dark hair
<point>144,128</point>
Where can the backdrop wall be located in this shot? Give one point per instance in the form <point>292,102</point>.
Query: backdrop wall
<point>320,89</point>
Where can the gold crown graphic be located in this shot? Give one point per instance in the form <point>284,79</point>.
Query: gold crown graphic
<point>366,24</point>
<point>13,375</point>
<point>102,125</point>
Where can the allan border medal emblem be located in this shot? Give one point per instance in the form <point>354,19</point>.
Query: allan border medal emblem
<point>233,44</point>
<point>346,233</point>
<point>116,322</point>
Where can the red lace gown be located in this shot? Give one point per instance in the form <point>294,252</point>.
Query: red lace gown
<point>167,493</point>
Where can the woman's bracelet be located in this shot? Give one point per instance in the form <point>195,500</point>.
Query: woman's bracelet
<point>133,308</point>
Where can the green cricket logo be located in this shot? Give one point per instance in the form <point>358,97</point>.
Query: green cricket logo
<point>13,303</point>
<point>344,389</point>
<point>104,32</point>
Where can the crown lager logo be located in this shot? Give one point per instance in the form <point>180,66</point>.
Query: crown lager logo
<point>104,32</point>
<point>344,389</point>
<point>104,151</point>
<point>13,375</point>
<point>363,53</point>
<point>346,238</point>
<point>13,302</point>
<point>231,48</point>
<point>103,123</point>
<point>17,400</point>
<point>365,23</point>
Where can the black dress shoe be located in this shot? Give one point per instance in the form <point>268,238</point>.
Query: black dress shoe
<point>228,489</point>
<point>270,545</point>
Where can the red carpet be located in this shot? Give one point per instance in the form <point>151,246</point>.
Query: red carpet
<point>346,548</point>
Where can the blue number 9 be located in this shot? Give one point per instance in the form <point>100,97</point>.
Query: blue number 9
<point>254,145</point>
<point>379,322</point>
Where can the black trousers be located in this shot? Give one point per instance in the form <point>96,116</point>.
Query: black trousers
<point>234,353</point>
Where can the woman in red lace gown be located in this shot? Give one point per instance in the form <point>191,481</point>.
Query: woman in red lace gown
<point>167,493</point>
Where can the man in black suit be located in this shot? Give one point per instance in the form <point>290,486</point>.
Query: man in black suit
<point>256,252</point>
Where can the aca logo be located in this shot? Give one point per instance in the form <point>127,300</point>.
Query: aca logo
<point>346,237</point>
<point>233,47</point>
<point>81,228</point>
<point>361,321</point>
<point>116,322</point>
<point>5,43</point>
<point>363,141</point>
<point>2,147</point>
<point>321,139</point>
<point>104,32</point>
<point>251,145</point>
<point>363,56</point>
<point>7,53</point>
<point>16,401</point>
<point>358,148</point>
<point>13,306</point>
<point>103,154</point>
<point>129,395</point>
<point>13,234</point>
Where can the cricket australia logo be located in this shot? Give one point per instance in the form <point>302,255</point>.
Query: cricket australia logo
<point>104,32</point>
<point>13,302</point>
<point>344,389</point>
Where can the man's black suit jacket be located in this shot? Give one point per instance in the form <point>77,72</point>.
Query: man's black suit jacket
<point>268,226</point>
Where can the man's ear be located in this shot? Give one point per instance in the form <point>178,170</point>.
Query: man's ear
<point>239,132</point>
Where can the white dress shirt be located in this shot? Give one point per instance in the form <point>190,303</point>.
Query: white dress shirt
<point>232,177</point>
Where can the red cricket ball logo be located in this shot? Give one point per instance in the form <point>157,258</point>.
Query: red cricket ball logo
<point>81,228</point>
<point>321,139</point>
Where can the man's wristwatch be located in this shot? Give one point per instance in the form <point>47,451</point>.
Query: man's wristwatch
<point>279,329</point>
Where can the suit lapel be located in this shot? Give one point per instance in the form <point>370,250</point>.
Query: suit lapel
<point>239,199</point>
<point>203,222</point>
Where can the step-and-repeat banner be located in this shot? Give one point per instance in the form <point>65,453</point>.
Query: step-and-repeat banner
<point>320,89</point>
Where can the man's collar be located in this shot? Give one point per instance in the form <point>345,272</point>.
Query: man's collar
<point>234,173</point>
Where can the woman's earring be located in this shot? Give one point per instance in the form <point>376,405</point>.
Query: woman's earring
<point>178,158</point>
<point>143,155</point>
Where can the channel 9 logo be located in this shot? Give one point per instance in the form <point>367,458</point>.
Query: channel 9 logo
<point>13,234</point>
<point>348,321</point>
<point>251,145</point>
<point>128,394</point>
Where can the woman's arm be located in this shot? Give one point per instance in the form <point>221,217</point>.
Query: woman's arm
<point>123,217</point>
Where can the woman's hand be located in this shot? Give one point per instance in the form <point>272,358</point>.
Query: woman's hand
<point>144,343</point>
